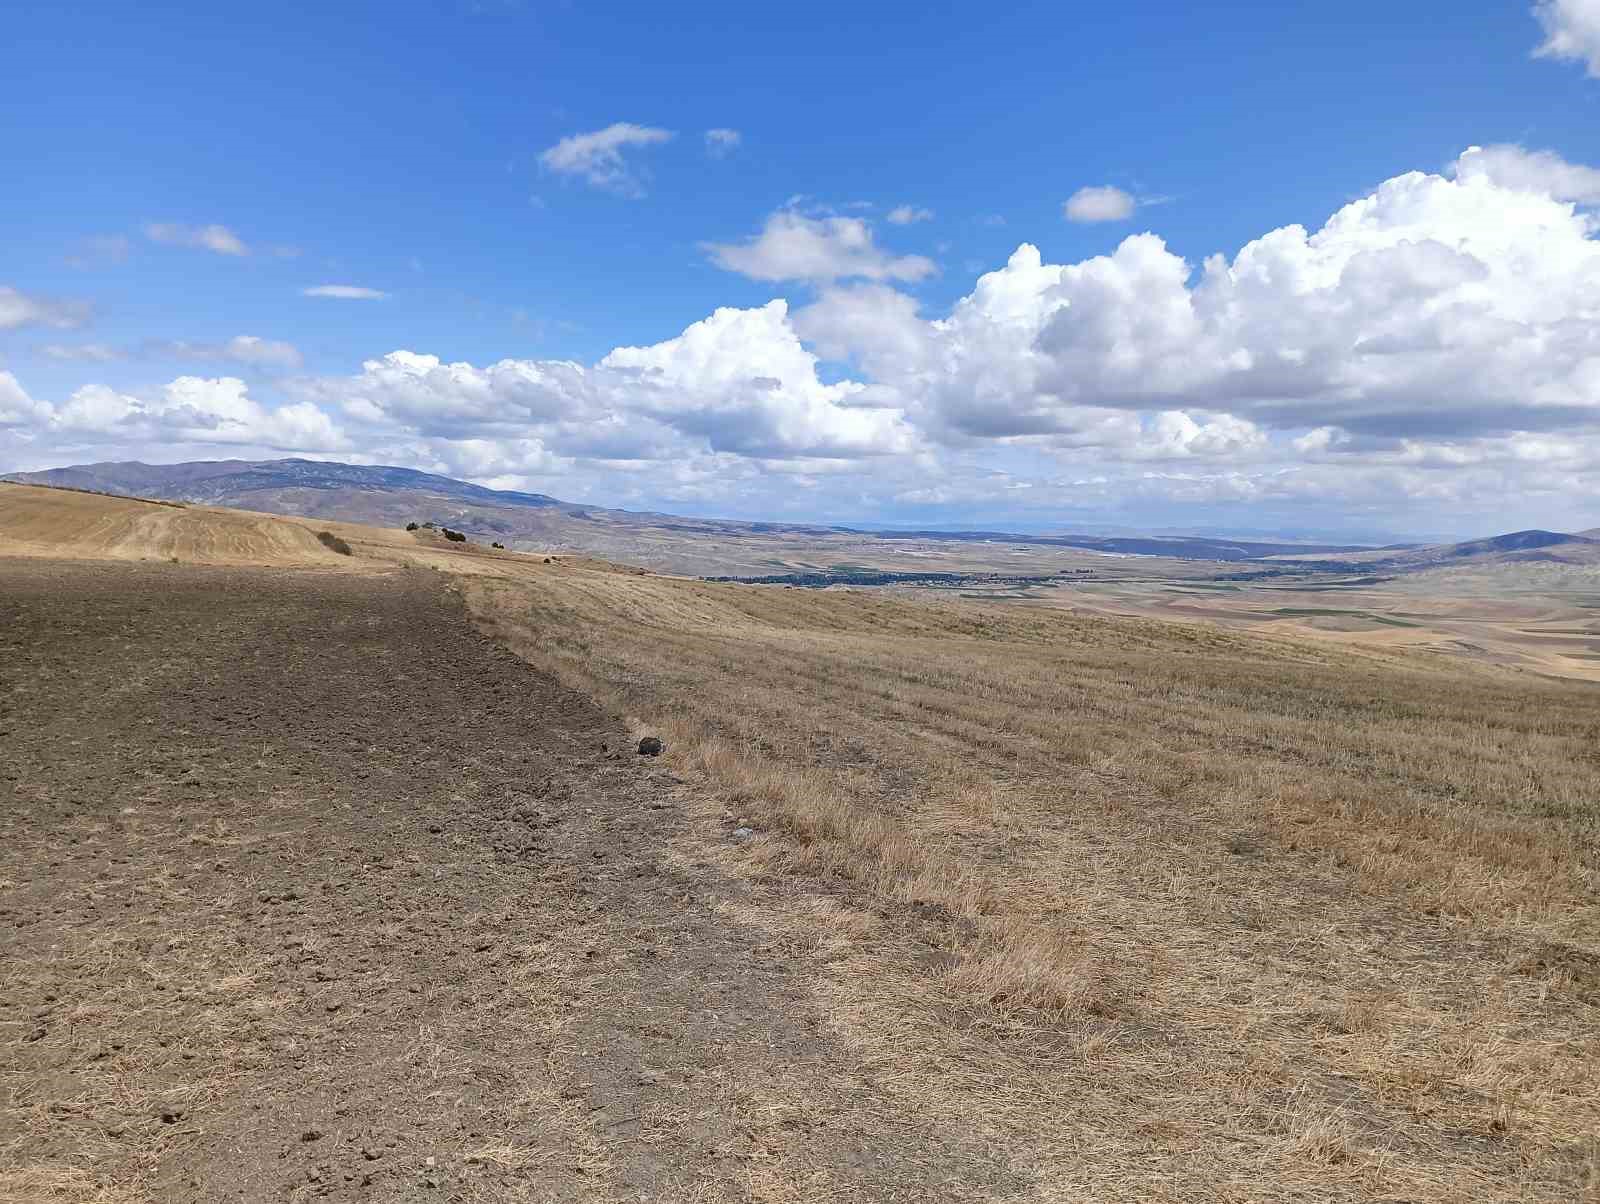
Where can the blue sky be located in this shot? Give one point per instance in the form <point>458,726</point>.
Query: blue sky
<point>184,173</point>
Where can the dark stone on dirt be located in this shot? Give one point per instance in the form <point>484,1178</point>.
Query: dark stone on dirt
<point>650,746</point>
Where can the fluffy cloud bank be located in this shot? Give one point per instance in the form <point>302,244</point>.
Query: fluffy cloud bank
<point>189,410</point>
<point>737,383</point>
<point>1458,305</point>
<point>1434,342</point>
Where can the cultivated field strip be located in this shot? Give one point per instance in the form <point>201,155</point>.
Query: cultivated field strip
<point>1173,913</point>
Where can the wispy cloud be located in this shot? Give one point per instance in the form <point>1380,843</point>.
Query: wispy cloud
<point>99,249</point>
<point>344,292</point>
<point>93,353</point>
<point>722,142</point>
<point>248,350</point>
<point>218,239</point>
<point>30,309</point>
<point>598,156</point>
<point>905,215</point>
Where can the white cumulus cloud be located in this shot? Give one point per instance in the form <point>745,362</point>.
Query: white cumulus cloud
<point>1530,171</point>
<point>599,156</point>
<point>738,383</point>
<point>1100,203</point>
<point>16,407</point>
<point>792,246</point>
<point>188,410</point>
<point>742,381</point>
<point>1438,306</point>
<point>1571,31</point>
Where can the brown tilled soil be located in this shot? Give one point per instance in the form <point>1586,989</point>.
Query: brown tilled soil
<point>310,890</point>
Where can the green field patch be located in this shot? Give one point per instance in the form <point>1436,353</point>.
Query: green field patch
<point>1324,587</point>
<point>1328,612</point>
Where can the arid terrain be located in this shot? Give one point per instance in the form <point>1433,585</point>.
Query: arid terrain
<point>1538,618</point>
<point>339,876</point>
<point>1529,600</point>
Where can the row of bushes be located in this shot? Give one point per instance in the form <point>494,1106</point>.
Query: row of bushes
<point>455,536</point>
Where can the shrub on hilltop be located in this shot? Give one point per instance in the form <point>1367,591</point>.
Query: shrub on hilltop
<point>333,543</point>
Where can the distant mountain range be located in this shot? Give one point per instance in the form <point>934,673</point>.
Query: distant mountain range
<point>1517,547</point>
<point>388,496</point>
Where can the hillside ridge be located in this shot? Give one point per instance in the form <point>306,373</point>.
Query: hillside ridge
<point>386,494</point>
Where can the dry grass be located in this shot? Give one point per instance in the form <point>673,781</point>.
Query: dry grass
<point>1170,913</point>
<point>58,523</point>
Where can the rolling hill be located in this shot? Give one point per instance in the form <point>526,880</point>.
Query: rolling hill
<point>1532,546</point>
<point>63,523</point>
<point>1517,546</point>
<point>388,496</point>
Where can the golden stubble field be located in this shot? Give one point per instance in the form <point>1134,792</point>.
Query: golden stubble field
<point>1540,618</point>
<point>1142,910</point>
<point>1168,912</point>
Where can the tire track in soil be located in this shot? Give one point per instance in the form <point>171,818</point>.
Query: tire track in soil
<point>312,891</point>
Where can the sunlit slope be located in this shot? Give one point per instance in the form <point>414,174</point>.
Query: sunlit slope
<point>1166,912</point>
<point>62,523</point>
<point>71,525</point>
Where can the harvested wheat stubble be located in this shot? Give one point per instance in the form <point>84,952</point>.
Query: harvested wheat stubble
<point>1168,913</point>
